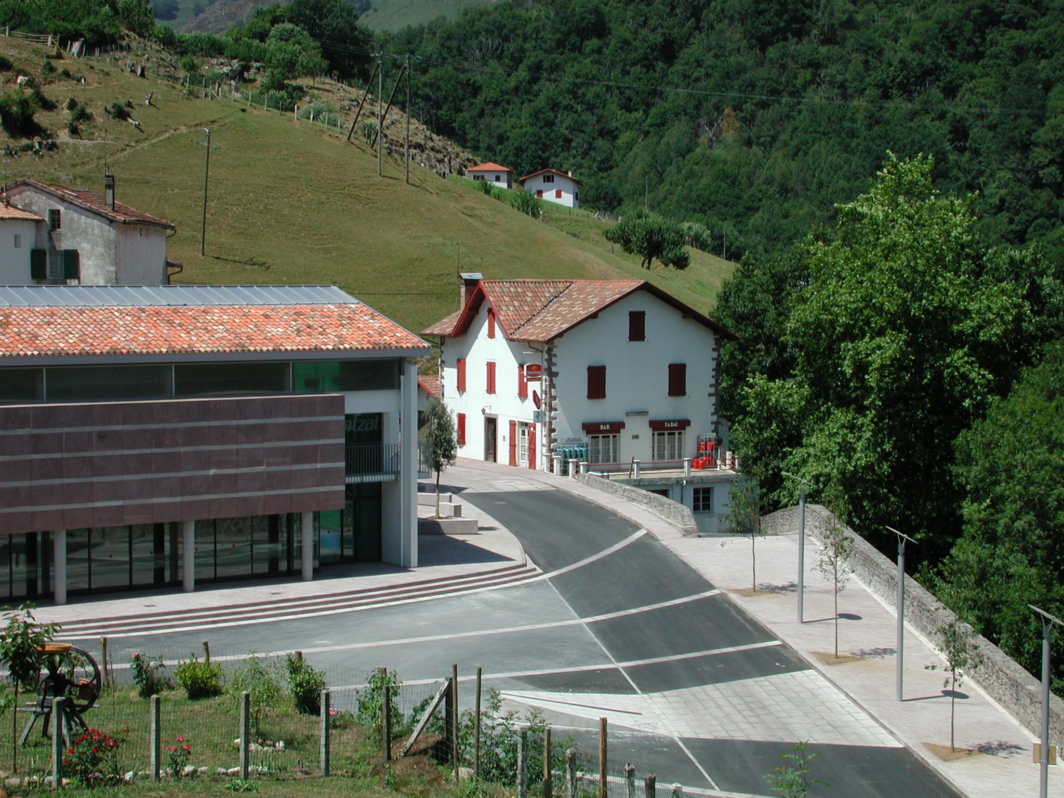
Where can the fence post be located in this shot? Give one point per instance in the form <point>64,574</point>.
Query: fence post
<point>155,749</point>
<point>650,786</point>
<point>677,791</point>
<point>448,719</point>
<point>454,719</point>
<point>58,748</point>
<point>245,733</point>
<point>105,676</point>
<point>629,778</point>
<point>522,764</point>
<point>386,722</point>
<point>548,786</point>
<point>476,731</point>
<point>206,652</point>
<point>325,701</point>
<point>602,758</point>
<point>570,773</point>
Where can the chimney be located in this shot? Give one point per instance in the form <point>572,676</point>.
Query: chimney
<point>109,191</point>
<point>469,283</point>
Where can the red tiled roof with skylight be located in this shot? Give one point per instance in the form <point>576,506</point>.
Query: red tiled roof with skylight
<point>93,202</point>
<point>190,330</point>
<point>541,310</point>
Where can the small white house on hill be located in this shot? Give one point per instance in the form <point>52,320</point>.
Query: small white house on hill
<point>614,373</point>
<point>554,186</point>
<point>492,173</point>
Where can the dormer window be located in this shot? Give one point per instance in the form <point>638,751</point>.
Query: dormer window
<point>55,219</point>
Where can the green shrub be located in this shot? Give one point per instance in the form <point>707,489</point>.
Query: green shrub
<point>16,113</point>
<point>65,73</point>
<point>525,203</point>
<point>259,679</point>
<point>73,129</point>
<point>79,113</point>
<point>188,63</point>
<point>47,68</point>
<point>92,759</point>
<point>199,679</point>
<point>486,187</point>
<point>148,675</point>
<point>371,699</point>
<point>5,64</point>
<point>117,111</point>
<point>305,684</point>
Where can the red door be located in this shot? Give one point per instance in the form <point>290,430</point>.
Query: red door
<point>532,446</point>
<point>513,443</point>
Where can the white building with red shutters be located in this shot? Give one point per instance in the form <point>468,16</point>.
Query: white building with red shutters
<point>553,186</point>
<point>613,373</point>
<point>493,173</point>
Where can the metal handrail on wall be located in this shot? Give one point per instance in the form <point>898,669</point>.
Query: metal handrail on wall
<point>371,458</point>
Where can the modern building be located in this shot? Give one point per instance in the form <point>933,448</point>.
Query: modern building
<point>177,435</point>
<point>614,373</point>
<point>551,185</point>
<point>492,173</point>
<point>78,238</point>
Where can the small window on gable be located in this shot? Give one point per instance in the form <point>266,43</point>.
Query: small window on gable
<point>637,325</point>
<point>491,324</point>
<point>548,178</point>
<point>18,241</point>
<point>55,219</point>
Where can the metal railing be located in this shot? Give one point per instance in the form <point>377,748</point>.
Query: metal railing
<point>372,459</point>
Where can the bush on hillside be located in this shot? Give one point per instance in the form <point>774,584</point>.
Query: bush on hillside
<point>202,44</point>
<point>523,202</point>
<point>5,64</point>
<point>16,113</point>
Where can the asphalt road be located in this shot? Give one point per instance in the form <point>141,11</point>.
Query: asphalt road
<point>695,691</point>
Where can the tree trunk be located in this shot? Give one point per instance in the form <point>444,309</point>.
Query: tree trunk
<point>753,562</point>
<point>14,733</point>
<point>437,494</point>
<point>952,706</point>
<point>836,617</point>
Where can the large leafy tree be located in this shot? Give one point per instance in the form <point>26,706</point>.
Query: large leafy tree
<point>345,44</point>
<point>651,237</point>
<point>906,329</point>
<point>1011,553</point>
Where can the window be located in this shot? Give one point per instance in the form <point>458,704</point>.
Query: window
<point>539,193</point>
<point>55,219</point>
<point>596,382</point>
<point>603,448</point>
<point>668,445</point>
<point>461,429</point>
<point>522,445</point>
<point>18,241</point>
<point>498,178</point>
<point>108,383</point>
<point>491,377</point>
<point>461,374</point>
<point>548,178</point>
<point>345,375</point>
<point>703,502</point>
<point>522,383</point>
<point>478,177</point>
<point>557,193</point>
<point>227,379</point>
<point>491,324</point>
<point>71,264</point>
<point>677,379</point>
<point>637,325</point>
<point>39,264</point>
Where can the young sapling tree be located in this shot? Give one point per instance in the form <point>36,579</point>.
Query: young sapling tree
<point>441,441</point>
<point>834,555</point>
<point>961,653</point>
<point>745,518</point>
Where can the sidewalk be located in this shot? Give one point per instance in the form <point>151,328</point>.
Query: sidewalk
<point>1001,766</point>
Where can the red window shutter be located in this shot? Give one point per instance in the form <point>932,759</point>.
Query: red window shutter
<point>513,443</point>
<point>637,325</point>
<point>491,324</point>
<point>677,379</point>
<point>491,377</point>
<point>522,383</point>
<point>596,382</point>
<point>461,374</point>
<point>539,193</point>
<point>461,429</point>
<point>532,446</point>
<point>557,193</point>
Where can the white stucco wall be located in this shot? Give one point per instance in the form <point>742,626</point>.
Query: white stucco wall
<point>570,190</point>
<point>637,375</point>
<point>15,261</point>
<point>141,254</point>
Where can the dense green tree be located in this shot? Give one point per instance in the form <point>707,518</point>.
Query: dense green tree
<point>1011,553</point>
<point>292,51</point>
<point>345,44</point>
<point>651,236</point>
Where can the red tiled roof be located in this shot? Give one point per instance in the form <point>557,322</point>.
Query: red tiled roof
<point>430,383</point>
<point>177,330</point>
<point>490,166</point>
<point>541,310</point>
<point>11,212</point>
<point>553,172</point>
<point>93,202</point>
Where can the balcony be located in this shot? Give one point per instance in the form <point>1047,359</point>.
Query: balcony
<point>377,462</point>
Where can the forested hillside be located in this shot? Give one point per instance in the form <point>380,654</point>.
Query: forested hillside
<point>756,116</point>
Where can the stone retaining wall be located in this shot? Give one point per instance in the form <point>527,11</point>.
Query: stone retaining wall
<point>674,513</point>
<point>999,675</point>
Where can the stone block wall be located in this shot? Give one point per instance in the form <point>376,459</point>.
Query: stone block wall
<point>999,675</point>
<point>669,511</point>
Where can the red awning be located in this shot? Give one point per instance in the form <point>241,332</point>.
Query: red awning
<point>602,427</point>
<point>674,423</point>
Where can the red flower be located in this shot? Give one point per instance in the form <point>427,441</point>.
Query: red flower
<point>180,739</point>
<point>185,747</point>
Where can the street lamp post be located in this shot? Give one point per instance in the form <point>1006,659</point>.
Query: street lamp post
<point>801,544</point>
<point>1043,761</point>
<point>206,177</point>
<point>902,537</point>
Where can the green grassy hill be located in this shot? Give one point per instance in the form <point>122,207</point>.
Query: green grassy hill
<point>291,202</point>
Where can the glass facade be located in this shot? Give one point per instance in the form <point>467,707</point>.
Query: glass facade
<point>106,383</point>
<point>345,375</point>
<point>229,379</point>
<point>354,533</point>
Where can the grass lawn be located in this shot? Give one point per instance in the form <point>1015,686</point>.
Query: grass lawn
<point>291,202</point>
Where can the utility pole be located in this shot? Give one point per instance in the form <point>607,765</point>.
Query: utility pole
<point>380,112</point>
<point>1043,760</point>
<point>902,537</point>
<point>406,154</point>
<point>206,178</point>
